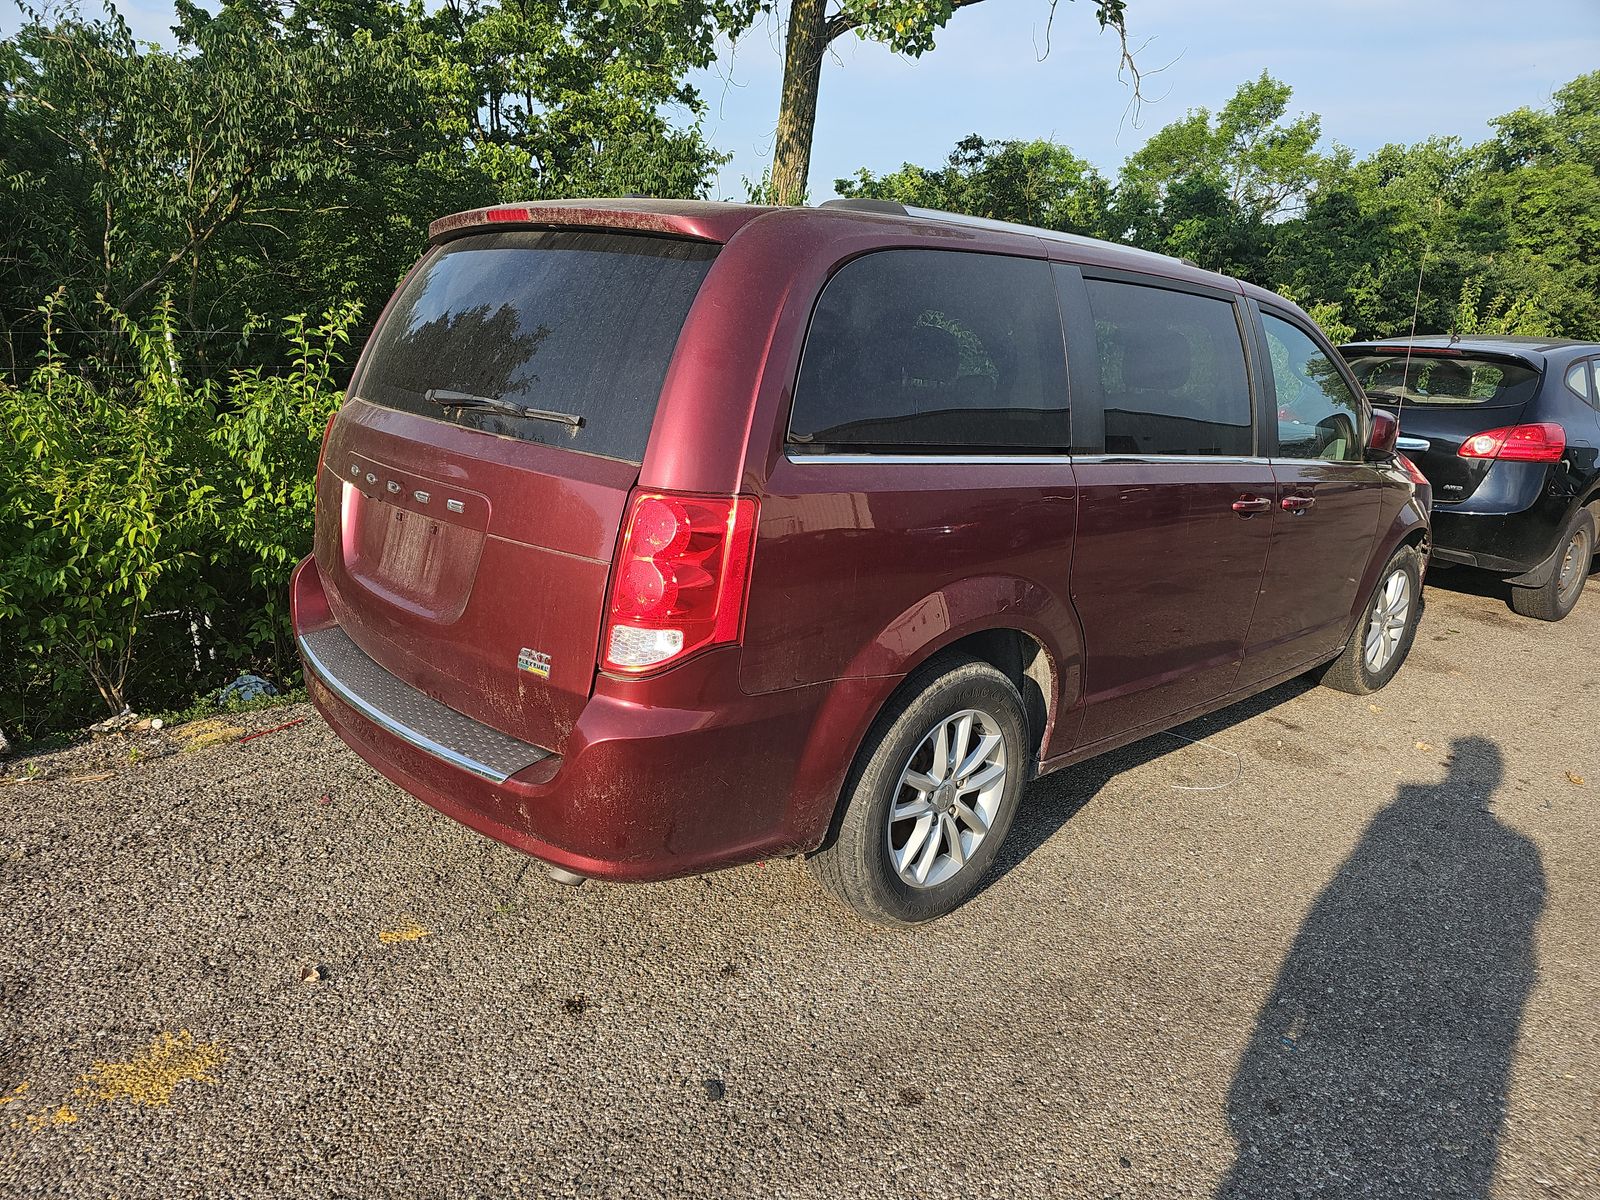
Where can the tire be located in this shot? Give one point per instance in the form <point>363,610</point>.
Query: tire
<point>862,863</point>
<point>1559,594</point>
<point>1356,670</point>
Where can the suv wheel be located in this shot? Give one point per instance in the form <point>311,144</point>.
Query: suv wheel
<point>1383,638</point>
<point>1560,592</point>
<point>930,797</point>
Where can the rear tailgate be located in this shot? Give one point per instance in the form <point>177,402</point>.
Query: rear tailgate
<point>466,547</point>
<point>1441,401</point>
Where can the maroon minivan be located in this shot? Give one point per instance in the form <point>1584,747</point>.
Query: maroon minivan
<point>659,536</point>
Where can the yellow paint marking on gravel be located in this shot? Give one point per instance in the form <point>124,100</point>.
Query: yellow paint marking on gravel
<point>409,932</point>
<point>209,731</point>
<point>150,1077</point>
<point>15,1094</point>
<point>53,1119</point>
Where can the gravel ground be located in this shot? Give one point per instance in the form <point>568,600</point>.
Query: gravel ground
<point>1341,948</point>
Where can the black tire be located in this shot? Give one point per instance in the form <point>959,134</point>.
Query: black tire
<point>1560,593</point>
<point>1351,671</point>
<point>856,864</point>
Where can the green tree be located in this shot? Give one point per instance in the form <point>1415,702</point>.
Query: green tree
<point>908,27</point>
<point>1215,188</point>
<point>284,157</point>
<point>1035,183</point>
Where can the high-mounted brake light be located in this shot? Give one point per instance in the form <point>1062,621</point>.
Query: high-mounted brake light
<point>497,215</point>
<point>1544,442</point>
<point>680,579</point>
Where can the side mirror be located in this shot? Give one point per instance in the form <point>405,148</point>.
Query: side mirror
<point>1385,431</point>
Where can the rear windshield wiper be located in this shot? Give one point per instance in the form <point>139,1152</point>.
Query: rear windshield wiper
<point>448,399</point>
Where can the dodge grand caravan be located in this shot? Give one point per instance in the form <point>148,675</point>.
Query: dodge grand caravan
<point>655,537</point>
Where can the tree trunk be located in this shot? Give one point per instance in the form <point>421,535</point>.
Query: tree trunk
<point>797,104</point>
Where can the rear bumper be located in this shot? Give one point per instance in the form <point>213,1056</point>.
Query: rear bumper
<point>1511,543</point>
<point>660,778</point>
<point>1511,524</point>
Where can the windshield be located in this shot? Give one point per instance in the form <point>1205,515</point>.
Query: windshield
<point>1458,381</point>
<point>577,326</point>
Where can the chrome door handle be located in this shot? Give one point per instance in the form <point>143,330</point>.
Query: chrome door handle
<point>1246,505</point>
<point>1412,443</point>
<point>1297,504</point>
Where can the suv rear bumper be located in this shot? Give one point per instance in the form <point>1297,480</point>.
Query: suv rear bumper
<point>670,776</point>
<point>1509,540</point>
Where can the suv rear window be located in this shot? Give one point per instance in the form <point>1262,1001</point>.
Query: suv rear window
<point>934,350</point>
<point>1459,381</point>
<point>578,324</point>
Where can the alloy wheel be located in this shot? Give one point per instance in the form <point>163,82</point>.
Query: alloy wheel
<point>1390,613</point>
<point>948,797</point>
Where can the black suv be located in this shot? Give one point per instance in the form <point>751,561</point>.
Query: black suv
<point>1507,431</point>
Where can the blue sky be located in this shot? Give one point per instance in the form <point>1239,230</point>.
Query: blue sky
<point>1378,71</point>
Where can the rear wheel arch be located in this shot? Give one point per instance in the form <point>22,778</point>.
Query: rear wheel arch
<point>1021,656</point>
<point>1026,661</point>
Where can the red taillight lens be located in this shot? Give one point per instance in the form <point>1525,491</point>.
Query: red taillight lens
<point>1544,442</point>
<point>679,582</point>
<point>1411,469</point>
<point>327,432</point>
<point>507,214</point>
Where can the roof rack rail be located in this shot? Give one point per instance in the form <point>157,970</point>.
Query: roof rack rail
<point>867,204</point>
<point>895,208</point>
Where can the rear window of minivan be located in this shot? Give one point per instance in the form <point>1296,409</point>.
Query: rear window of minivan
<point>576,325</point>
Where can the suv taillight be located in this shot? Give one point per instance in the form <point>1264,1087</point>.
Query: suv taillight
<point>1544,442</point>
<point>679,581</point>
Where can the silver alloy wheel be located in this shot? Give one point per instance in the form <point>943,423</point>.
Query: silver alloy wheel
<point>1390,613</point>
<point>947,798</point>
<point>1575,566</point>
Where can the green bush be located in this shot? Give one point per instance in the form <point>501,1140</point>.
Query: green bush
<point>149,520</point>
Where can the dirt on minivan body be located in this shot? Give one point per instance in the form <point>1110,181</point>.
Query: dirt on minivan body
<point>1312,944</point>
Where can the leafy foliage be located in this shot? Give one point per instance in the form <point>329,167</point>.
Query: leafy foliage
<point>287,157</point>
<point>1251,191</point>
<point>141,504</point>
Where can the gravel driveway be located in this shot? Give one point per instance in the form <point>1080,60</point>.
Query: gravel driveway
<point>1338,948</point>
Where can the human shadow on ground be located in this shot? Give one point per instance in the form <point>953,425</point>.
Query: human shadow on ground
<point>1380,1062</point>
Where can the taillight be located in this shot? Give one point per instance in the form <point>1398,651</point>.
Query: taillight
<point>1411,469</point>
<point>679,582</point>
<point>1544,442</point>
<point>327,432</point>
<point>498,215</point>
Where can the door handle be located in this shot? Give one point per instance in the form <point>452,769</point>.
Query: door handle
<point>1247,505</point>
<point>1297,504</point>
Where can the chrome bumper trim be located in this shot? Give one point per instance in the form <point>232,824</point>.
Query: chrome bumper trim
<point>410,715</point>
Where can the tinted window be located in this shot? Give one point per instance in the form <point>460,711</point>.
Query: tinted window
<point>577,323</point>
<point>1578,380</point>
<point>1457,380</point>
<point>1172,369</point>
<point>1318,415</point>
<point>936,350</point>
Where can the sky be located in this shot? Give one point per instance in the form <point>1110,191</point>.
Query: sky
<point>1377,71</point>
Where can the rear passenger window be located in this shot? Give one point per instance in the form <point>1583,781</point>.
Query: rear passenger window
<point>1318,414</point>
<point>937,351</point>
<point>1172,368</point>
<point>1578,380</point>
